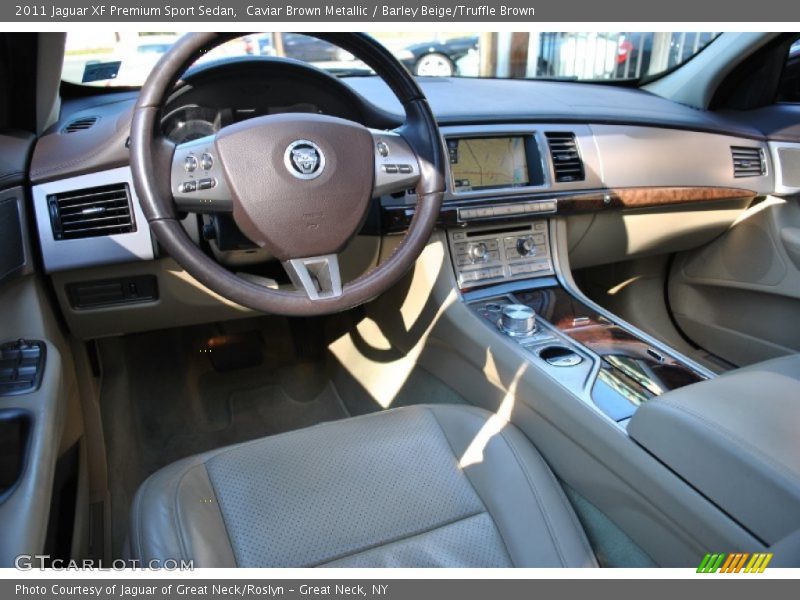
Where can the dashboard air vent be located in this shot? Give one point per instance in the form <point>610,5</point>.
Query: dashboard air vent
<point>748,162</point>
<point>91,212</point>
<point>567,163</point>
<point>79,124</point>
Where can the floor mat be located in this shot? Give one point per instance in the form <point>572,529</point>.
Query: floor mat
<point>163,399</point>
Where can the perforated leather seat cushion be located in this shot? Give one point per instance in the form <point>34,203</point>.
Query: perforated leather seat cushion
<point>388,489</point>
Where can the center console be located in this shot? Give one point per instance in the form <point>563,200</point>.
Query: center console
<point>504,187</point>
<point>509,279</point>
<point>596,359</point>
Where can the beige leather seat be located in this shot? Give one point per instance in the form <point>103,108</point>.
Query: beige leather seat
<point>424,486</point>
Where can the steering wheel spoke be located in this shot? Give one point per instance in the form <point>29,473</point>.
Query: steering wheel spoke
<point>197,182</point>
<point>318,276</point>
<point>396,164</point>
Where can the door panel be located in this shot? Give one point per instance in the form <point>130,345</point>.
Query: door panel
<point>739,296</point>
<point>33,422</point>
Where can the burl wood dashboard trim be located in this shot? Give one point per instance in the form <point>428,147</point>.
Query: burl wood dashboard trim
<point>397,218</point>
<point>647,197</point>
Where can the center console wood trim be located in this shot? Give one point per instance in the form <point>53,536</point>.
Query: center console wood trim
<point>563,272</point>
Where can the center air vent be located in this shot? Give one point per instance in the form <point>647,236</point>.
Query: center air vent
<point>748,162</point>
<point>567,163</point>
<point>91,212</point>
<point>79,124</point>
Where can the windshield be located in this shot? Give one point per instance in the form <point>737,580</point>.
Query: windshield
<point>125,58</point>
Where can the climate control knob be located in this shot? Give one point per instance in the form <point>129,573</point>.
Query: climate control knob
<point>518,320</point>
<point>526,246</point>
<point>478,252</point>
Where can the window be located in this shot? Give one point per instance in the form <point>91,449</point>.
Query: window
<point>106,58</point>
<point>789,88</point>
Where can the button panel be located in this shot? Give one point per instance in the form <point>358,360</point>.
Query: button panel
<point>393,169</point>
<point>396,166</point>
<point>198,183</point>
<point>21,366</point>
<point>482,255</point>
<point>506,210</point>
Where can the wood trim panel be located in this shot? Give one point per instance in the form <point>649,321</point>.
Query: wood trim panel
<point>647,197</point>
<point>397,218</point>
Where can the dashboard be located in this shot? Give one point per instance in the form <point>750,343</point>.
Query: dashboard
<point>517,150</point>
<point>627,174</point>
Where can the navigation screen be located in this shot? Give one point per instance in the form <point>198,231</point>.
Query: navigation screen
<point>481,163</point>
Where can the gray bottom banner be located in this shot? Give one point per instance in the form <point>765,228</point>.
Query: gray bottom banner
<point>704,586</point>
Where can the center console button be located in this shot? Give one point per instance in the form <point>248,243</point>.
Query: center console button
<point>526,246</point>
<point>478,252</point>
<point>518,320</point>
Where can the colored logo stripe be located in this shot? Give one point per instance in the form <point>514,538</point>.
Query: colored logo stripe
<point>734,563</point>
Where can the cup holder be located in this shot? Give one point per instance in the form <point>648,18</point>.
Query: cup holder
<point>560,356</point>
<point>15,430</point>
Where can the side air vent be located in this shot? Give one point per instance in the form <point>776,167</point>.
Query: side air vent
<point>79,124</point>
<point>91,212</point>
<point>567,163</point>
<point>748,162</point>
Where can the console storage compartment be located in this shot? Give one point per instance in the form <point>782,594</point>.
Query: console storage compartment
<point>736,439</point>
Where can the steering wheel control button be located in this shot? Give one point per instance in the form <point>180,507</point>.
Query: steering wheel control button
<point>206,162</point>
<point>188,187</point>
<point>390,169</point>
<point>190,163</point>
<point>304,159</point>
<point>382,148</point>
<point>518,320</point>
<point>206,183</point>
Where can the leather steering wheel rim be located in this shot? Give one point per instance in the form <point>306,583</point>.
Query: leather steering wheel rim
<point>151,164</point>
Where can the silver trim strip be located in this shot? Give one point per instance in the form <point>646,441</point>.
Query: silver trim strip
<point>318,276</point>
<point>60,255</point>
<point>777,166</point>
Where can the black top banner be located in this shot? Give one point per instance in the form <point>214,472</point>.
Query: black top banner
<point>370,11</point>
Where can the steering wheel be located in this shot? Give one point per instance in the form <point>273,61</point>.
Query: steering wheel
<point>296,184</point>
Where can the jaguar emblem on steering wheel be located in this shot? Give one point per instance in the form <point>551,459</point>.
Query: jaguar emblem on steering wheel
<point>304,159</point>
